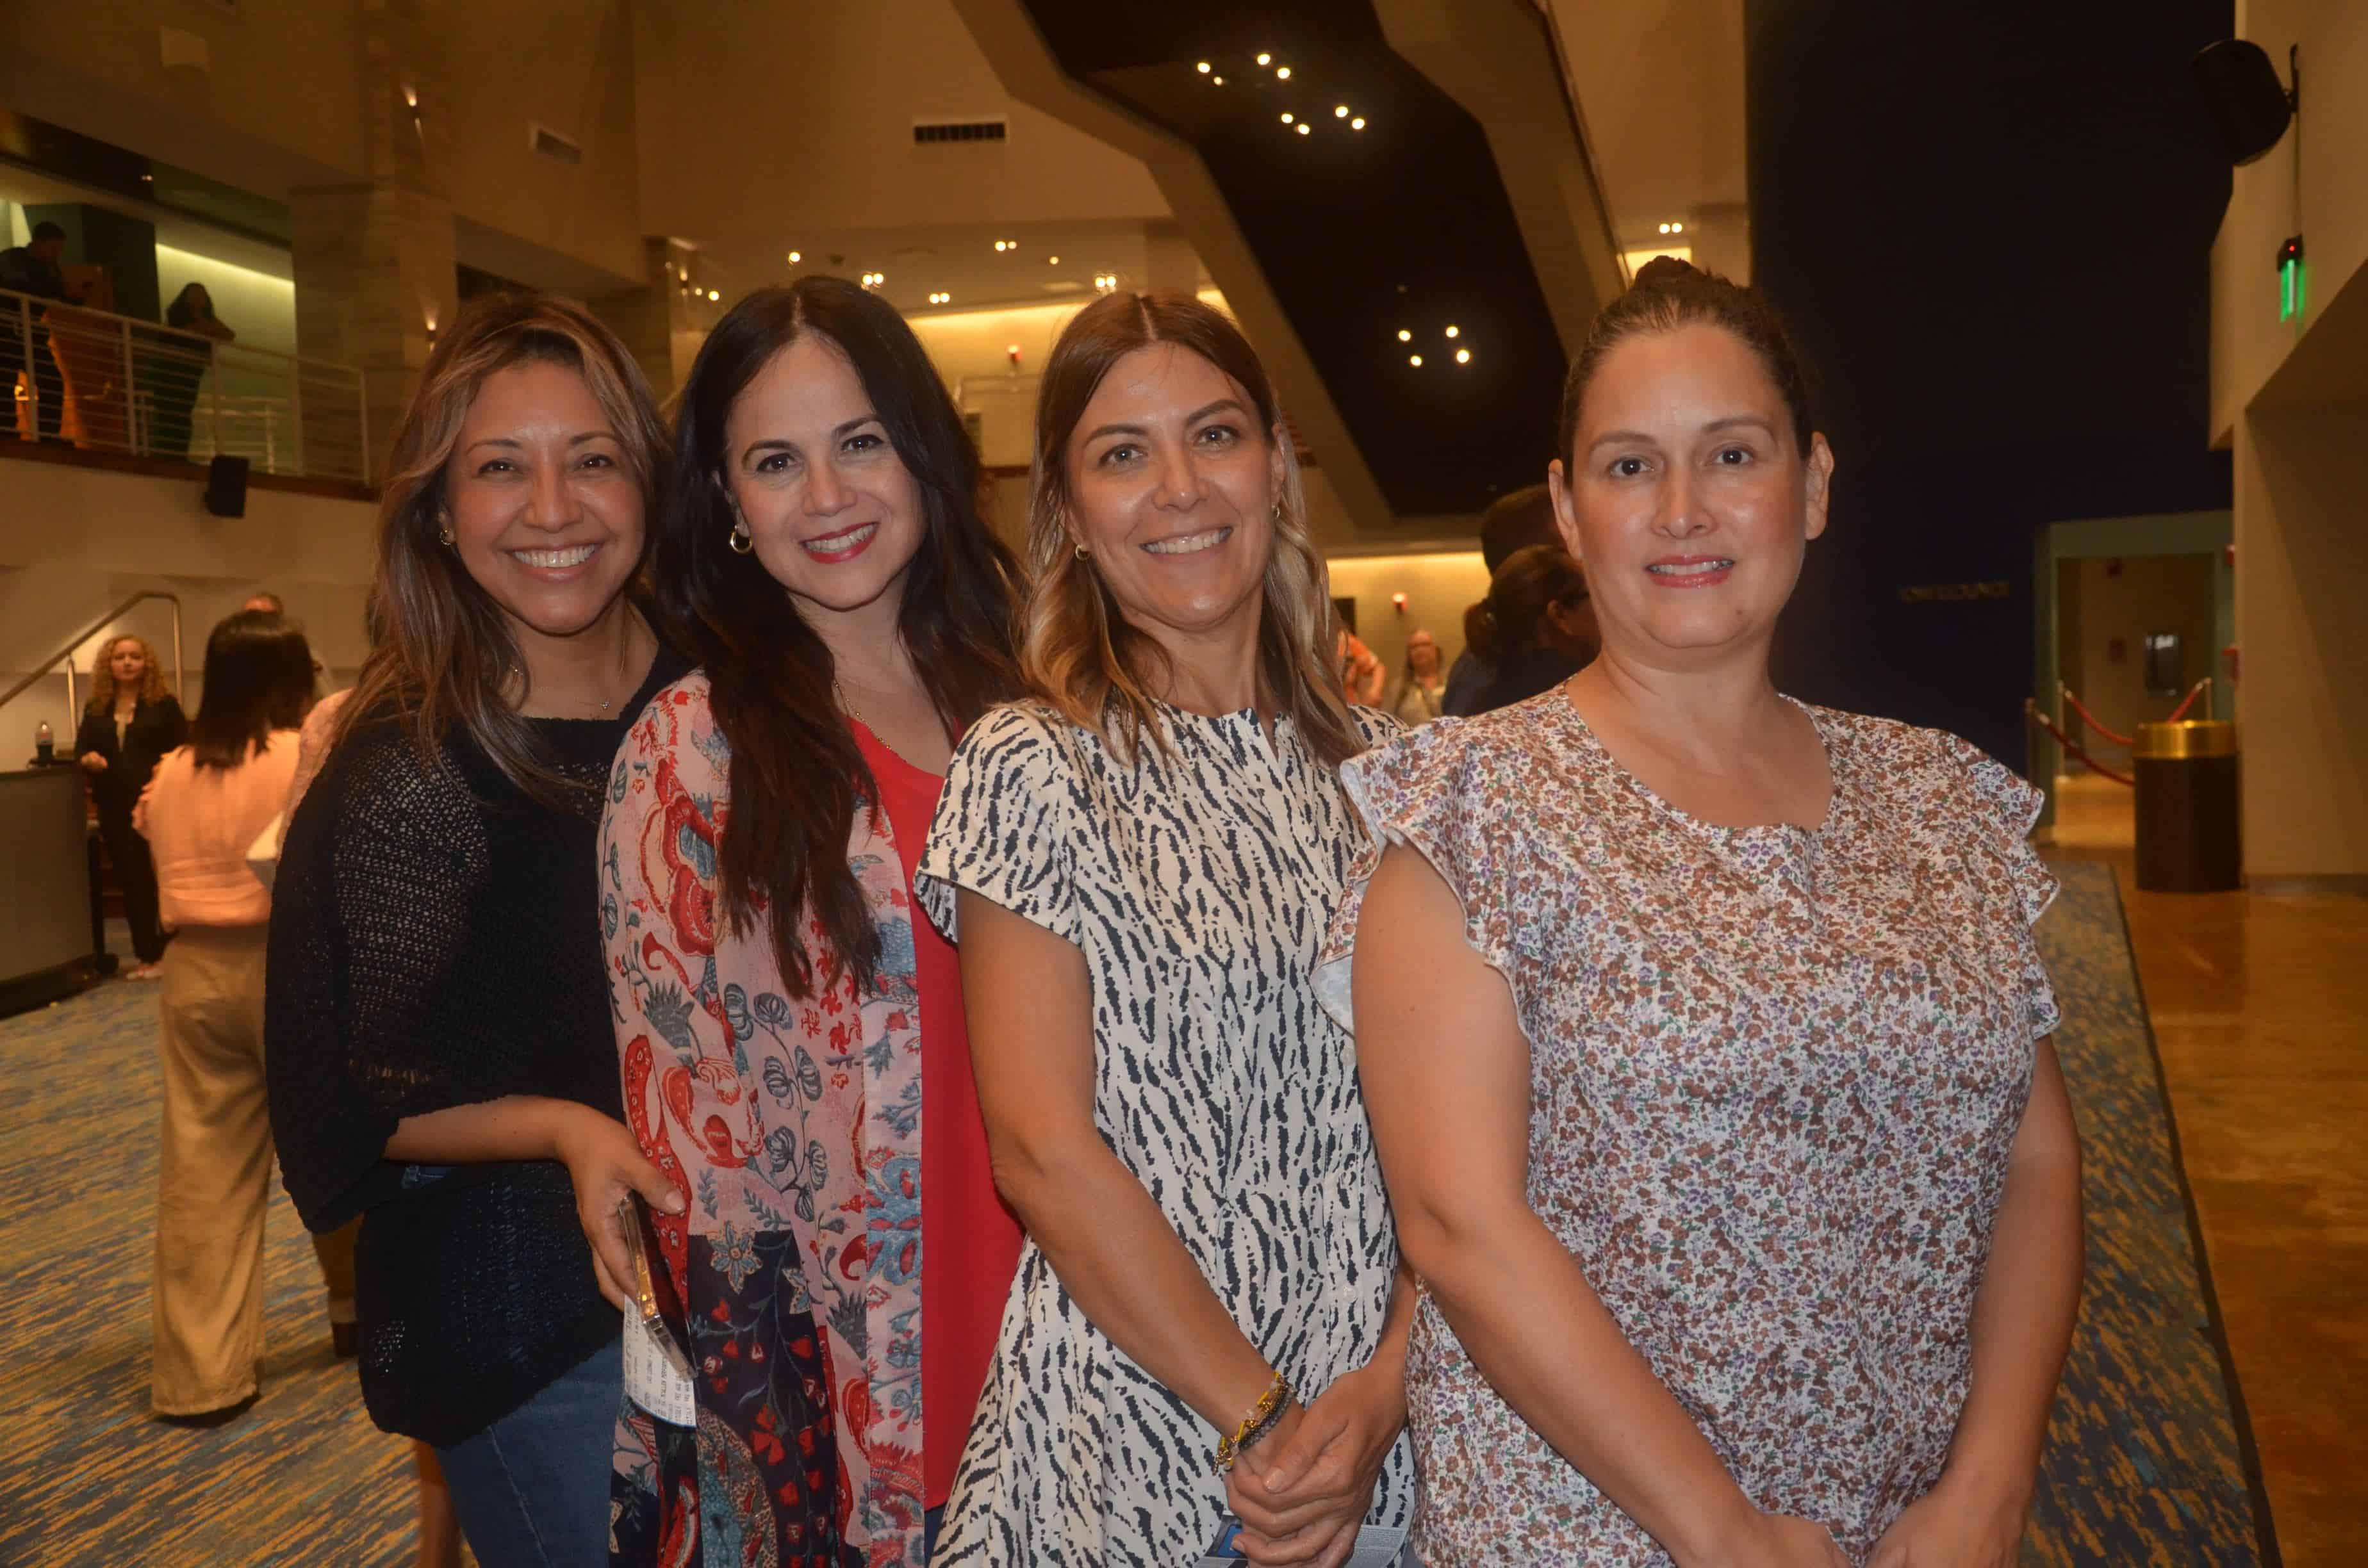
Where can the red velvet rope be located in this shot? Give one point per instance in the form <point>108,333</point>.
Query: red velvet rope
<point>2072,748</point>
<point>2090,719</point>
<point>2187,702</point>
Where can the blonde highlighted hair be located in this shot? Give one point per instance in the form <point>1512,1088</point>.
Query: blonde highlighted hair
<point>1078,649</point>
<point>102,674</point>
<point>442,653</point>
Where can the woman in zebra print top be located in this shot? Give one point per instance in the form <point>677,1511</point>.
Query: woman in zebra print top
<point>1143,863</point>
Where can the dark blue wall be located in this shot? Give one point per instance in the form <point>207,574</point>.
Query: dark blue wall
<point>1990,224</point>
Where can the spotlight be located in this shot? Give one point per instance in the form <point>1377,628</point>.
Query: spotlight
<point>1302,129</point>
<point>1052,261</point>
<point>796,256</point>
<point>1463,356</point>
<point>1665,228</point>
<point>1282,72</point>
<point>1265,59</point>
<point>1358,123</point>
<point>1415,360</point>
<point>998,244</point>
<point>1219,81</point>
<point>1339,111</point>
<point>1286,117</point>
<point>1676,228</point>
<point>714,294</point>
<point>1455,332</point>
<point>1404,337</point>
<point>1203,68</point>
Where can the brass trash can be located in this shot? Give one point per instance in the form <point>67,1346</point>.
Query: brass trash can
<point>2187,807</point>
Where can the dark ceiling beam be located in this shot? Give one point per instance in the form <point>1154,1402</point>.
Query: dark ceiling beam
<point>1499,60</point>
<point>1009,38</point>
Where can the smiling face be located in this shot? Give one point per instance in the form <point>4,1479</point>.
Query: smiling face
<point>126,661</point>
<point>1173,485</point>
<point>544,513</point>
<point>834,513</point>
<point>1687,498</point>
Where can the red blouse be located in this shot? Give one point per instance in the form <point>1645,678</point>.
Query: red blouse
<point>969,1242</point>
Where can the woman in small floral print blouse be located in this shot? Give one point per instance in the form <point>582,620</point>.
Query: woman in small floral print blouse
<point>1706,1042</point>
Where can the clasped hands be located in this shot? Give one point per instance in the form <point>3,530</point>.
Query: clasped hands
<point>1303,1491</point>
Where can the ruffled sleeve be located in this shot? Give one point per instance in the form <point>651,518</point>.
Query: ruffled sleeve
<point>2002,811</point>
<point>1425,789</point>
<point>1004,824</point>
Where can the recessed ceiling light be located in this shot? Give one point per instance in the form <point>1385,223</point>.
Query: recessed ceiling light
<point>714,294</point>
<point>1052,261</point>
<point>1203,68</point>
<point>1286,117</point>
<point>1282,72</point>
<point>1339,111</point>
<point>1302,129</point>
<point>1463,356</point>
<point>1665,228</point>
<point>1265,59</point>
<point>1358,123</point>
<point>1455,332</point>
<point>1415,360</point>
<point>1404,337</point>
<point>998,244</point>
<point>1676,228</point>
<point>1220,81</point>
<point>796,256</point>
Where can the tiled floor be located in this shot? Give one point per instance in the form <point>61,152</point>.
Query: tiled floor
<point>2260,1007</point>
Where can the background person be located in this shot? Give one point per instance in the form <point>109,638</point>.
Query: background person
<point>177,367</point>
<point>206,805</point>
<point>33,268</point>
<point>1143,862</point>
<point>1535,629</point>
<point>1749,1210</point>
<point>1421,686</point>
<point>440,1056</point>
<point>1512,522</point>
<point>130,723</point>
<point>851,616</point>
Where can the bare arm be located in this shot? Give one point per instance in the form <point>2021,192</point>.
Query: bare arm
<point>1454,1147</point>
<point>2023,1316</point>
<point>1027,996</point>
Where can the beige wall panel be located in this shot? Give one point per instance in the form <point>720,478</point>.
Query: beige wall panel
<point>752,123</point>
<point>1439,589</point>
<point>2249,342</point>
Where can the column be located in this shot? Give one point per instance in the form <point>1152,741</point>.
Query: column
<point>661,321</point>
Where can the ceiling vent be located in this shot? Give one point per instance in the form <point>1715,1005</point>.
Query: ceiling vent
<point>995,127</point>
<point>552,145</point>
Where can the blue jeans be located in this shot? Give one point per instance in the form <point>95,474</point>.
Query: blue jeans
<point>532,1490</point>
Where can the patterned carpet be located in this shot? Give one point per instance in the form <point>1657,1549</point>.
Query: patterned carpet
<point>2143,1464</point>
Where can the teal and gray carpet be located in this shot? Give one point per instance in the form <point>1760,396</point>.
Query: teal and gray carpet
<point>2143,1465</point>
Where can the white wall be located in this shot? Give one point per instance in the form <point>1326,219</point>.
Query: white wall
<point>257,306</point>
<point>77,541</point>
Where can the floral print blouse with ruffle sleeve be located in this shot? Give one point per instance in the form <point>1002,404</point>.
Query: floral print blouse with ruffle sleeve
<point>1777,1074</point>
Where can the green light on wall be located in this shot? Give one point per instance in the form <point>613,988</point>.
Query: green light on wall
<point>2294,281</point>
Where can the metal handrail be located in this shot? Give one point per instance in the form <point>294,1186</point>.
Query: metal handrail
<point>149,389</point>
<point>65,654</point>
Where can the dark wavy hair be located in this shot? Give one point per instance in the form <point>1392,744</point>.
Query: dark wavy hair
<point>796,777</point>
<point>259,679</point>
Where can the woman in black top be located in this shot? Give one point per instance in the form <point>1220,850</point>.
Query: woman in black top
<point>437,1037</point>
<point>131,722</point>
<point>1535,629</point>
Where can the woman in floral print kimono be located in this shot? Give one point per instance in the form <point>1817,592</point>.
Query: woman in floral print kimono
<point>791,1036</point>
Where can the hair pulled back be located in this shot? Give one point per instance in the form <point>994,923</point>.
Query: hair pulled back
<point>1534,579</point>
<point>1669,294</point>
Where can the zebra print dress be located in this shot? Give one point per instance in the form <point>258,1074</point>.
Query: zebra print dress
<point>1197,885</point>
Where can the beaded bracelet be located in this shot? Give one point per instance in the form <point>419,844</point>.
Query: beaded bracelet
<point>1261,1420</point>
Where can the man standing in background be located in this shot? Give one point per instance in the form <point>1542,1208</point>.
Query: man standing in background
<point>32,268</point>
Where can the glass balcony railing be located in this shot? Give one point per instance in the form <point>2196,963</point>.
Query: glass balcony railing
<point>109,384</point>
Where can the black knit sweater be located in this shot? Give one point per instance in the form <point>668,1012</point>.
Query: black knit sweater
<point>434,942</point>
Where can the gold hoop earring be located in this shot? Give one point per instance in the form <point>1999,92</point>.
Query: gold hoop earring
<point>741,541</point>
<point>1083,553</point>
<point>445,534</point>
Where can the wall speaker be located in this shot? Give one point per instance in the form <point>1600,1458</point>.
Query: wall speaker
<point>2249,104</point>
<point>226,487</point>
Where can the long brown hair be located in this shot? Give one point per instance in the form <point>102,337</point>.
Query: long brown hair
<point>797,778</point>
<point>259,679</point>
<point>1080,650</point>
<point>102,675</point>
<point>442,651</point>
